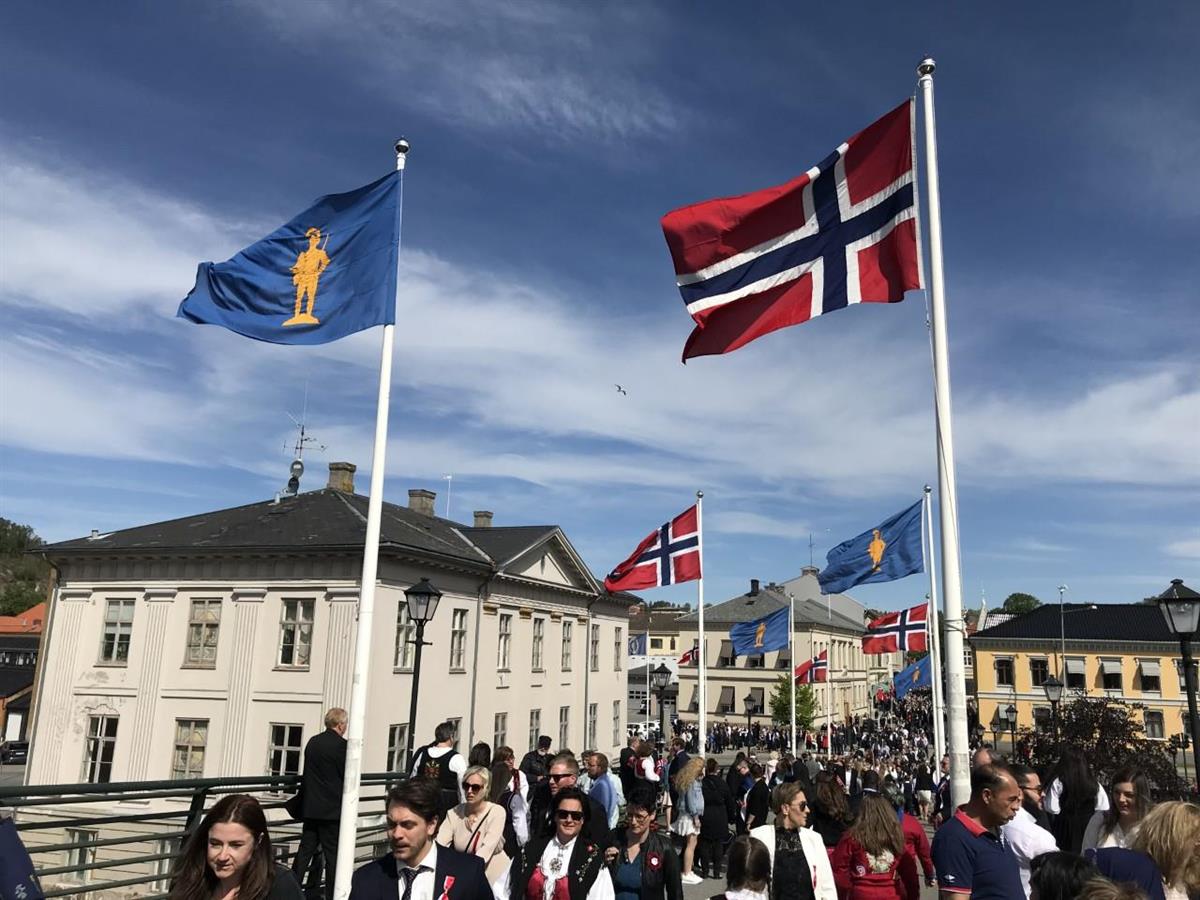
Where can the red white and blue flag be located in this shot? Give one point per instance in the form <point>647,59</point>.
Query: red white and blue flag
<point>903,630</point>
<point>844,232</point>
<point>692,657</point>
<point>669,555</point>
<point>814,670</point>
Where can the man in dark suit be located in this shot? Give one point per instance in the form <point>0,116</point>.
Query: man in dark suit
<point>564,773</point>
<point>679,759</point>
<point>417,868</point>
<point>321,796</point>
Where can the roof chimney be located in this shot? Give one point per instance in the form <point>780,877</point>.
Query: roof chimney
<point>341,477</point>
<point>753,587</point>
<point>483,518</point>
<point>810,570</point>
<point>421,500</point>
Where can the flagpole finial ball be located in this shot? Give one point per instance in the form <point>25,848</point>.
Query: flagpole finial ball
<point>699,495</point>
<point>401,147</point>
<point>926,66</point>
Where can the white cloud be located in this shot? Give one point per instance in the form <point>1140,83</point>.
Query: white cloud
<point>1188,548</point>
<point>742,522</point>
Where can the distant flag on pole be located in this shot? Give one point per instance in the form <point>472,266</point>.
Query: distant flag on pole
<point>691,657</point>
<point>915,676</point>
<point>844,232</point>
<point>329,272</point>
<point>761,635</point>
<point>637,645</point>
<point>814,670</point>
<point>904,630</point>
<point>889,551</point>
<point>668,555</point>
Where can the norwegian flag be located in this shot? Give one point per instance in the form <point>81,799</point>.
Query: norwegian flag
<point>844,232</point>
<point>691,657</point>
<point>814,670</point>
<point>904,630</point>
<point>669,555</point>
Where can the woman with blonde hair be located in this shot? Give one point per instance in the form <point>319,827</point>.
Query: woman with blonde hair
<point>871,861</point>
<point>687,816</point>
<point>1170,835</point>
<point>476,826</point>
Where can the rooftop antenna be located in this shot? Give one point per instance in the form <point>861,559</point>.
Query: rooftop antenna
<point>449,479</point>
<point>302,440</point>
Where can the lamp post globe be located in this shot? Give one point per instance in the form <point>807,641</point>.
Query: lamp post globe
<point>421,601</point>
<point>1054,691</point>
<point>1012,727</point>
<point>660,678</point>
<point>1180,606</point>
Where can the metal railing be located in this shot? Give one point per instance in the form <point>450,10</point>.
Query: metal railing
<point>120,840</point>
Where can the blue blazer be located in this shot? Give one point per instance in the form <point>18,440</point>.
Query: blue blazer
<point>378,879</point>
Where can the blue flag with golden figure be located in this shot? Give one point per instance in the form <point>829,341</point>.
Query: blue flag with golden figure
<point>886,552</point>
<point>329,272</point>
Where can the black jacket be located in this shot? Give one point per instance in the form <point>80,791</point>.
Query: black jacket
<point>321,780</point>
<point>719,809</point>
<point>595,829</point>
<point>659,882</point>
<point>758,801</point>
<point>535,766</point>
<point>378,879</point>
<point>587,859</point>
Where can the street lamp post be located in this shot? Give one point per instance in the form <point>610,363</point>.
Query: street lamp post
<point>660,678</point>
<point>1054,690</point>
<point>751,709</point>
<point>422,601</point>
<point>1012,728</point>
<point>1180,606</point>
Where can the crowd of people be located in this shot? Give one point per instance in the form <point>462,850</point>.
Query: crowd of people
<point>854,826</point>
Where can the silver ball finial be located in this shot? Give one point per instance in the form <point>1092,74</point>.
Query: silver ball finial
<point>401,147</point>
<point>926,66</point>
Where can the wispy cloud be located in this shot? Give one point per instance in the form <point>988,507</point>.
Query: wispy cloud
<point>1188,548</point>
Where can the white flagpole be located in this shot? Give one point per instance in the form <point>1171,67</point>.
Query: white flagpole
<point>792,663</point>
<point>703,688</point>
<point>935,640</point>
<point>828,705</point>
<point>357,714</point>
<point>956,707</point>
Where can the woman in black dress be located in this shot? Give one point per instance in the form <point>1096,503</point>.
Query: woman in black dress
<point>719,813</point>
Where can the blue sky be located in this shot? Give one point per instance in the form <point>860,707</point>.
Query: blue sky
<point>548,139</point>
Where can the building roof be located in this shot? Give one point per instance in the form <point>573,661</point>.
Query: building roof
<point>325,519</point>
<point>995,617</point>
<point>14,679</point>
<point>662,621</point>
<point>28,622</point>
<point>809,607</point>
<point>1140,622</point>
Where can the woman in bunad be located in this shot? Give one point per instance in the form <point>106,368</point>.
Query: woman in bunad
<point>559,864</point>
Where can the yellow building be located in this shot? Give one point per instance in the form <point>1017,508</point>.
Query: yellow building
<point>1119,650</point>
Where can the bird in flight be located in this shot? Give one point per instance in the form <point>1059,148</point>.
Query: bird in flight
<point>621,390</point>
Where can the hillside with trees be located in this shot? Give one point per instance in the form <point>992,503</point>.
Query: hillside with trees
<point>23,576</point>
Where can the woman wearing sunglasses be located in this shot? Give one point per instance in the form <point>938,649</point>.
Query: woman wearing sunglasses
<point>643,863</point>
<point>562,863</point>
<point>799,863</point>
<point>477,826</point>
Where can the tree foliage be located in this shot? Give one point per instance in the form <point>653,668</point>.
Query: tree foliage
<point>22,576</point>
<point>1110,734</point>
<point>780,703</point>
<point>1020,603</point>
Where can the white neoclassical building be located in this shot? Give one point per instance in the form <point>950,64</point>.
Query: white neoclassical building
<point>212,645</point>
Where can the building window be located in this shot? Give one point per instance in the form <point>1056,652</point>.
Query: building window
<point>1004,672</point>
<point>397,746</point>
<point>458,638</point>
<point>1154,724</point>
<point>617,650</point>
<point>656,643</point>
<point>756,661</point>
<point>595,648</point>
<point>535,727</point>
<point>539,639</point>
<point>191,739</point>
<point>672,643</point>
<point>504,642</point>
<point>566,646</point>
<point>80,855</point>
<point>1041,719</point>
<point>283,753</point>
<point>499,730</point>
<point>616,732</point>
<point>564,727</point>
<point>1151,676</point>
<point>589,740</point>
<point>100,747</point>
<point>456,728</point>
<point>295,633</point>
<point>727,659</point>
<point>167,851</point>
<point>966,658</point>
<point>118,628</point>
<point>1076,674</point>
<point>1039,671</point>
<point>406,636</point>
<point>1110,672</point>
<point>203,624</point>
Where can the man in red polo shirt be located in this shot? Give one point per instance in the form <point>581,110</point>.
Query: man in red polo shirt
<point>970,853</point>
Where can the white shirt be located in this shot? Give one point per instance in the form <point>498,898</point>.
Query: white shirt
<point>422,888</point>
<point>458,765</point>
<point>1094,837</point>
<point>1027,839</point>
<point>1051,800</point>
<point>601,889</point>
